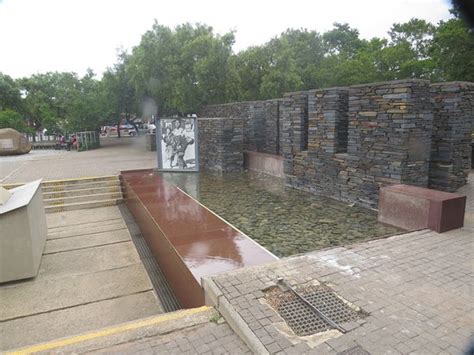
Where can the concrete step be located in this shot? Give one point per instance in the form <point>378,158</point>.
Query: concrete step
<point>83,205</point>
<point>86,228</point>
<point>83,198</point>
<point>73,219</point>
<point>81,186</point>
<point>88,317</point>
<point>82,192</point>
<point>80,180</point>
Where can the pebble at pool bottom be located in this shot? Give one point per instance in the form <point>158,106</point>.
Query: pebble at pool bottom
<point>283,220</point>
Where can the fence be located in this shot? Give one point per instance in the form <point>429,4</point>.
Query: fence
<point>87,140</point>
<point>40,137</point>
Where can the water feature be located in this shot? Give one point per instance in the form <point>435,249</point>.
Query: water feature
<point>283,220</point>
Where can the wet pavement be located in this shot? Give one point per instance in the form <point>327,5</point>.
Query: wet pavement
<point>284,220</point>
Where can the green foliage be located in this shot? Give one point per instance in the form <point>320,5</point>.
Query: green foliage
<point>453,51</point>
<point>13,119</point>
<point>178,70</point>
<point>216,318</point>
<point>62,102</point>
<point>9,93</point>
<point>183,68</point>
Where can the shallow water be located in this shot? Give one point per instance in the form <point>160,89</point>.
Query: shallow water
<point>284,220</point>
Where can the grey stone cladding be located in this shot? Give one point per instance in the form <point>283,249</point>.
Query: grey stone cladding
<point>260,122</point>
<point>347,142</point>
<point>453,109</point>
<point>221,144</point>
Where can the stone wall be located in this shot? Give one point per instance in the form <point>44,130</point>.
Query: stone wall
<point>347,142</point>
<point>387,127</point>
<point>260,122</point>
<point>328,123</point>
<point>221,144</point>
<point>453,109</point>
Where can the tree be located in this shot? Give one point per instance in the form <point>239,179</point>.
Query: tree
<point>342,40</point>
<point>9,93</point>
<point>85,111</point>
<point>453,50</point>
<point>13,119</point>
<point>182,69</point>
<point>251,66</point>
<point>119,93</point>
<point>282,74</point>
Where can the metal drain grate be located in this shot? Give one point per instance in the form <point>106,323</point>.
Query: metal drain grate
<point>163,290</point>
<point>301,318</point>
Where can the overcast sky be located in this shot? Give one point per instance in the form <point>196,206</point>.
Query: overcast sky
<point>73,35</point>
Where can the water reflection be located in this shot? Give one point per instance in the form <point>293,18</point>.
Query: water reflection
<point>284,220</point>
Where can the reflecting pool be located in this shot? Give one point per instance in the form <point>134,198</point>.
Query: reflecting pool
<point>284,220</point>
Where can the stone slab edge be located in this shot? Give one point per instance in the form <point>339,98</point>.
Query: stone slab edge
<point>215,297</point>
<point>100,339</point>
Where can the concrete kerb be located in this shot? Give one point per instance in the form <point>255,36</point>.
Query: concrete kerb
<point>214,297</point>
<point>100,339</point>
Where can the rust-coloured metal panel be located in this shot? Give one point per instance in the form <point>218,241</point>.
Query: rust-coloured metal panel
<point>413,207</point>
<point>187,239</point>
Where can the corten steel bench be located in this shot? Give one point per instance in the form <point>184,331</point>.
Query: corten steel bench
<point>188,241</point>
<point>413,208</point>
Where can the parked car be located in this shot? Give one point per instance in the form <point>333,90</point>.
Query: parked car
<point>151,128</point>
<point>125,130</point>
<point>130,130</point>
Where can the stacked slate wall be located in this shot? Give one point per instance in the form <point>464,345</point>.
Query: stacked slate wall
<point>388,140</point>
<point>453,109</point>
<point>294,130</point>
<point>389,137</point>
<point>348,142</point>
<point>221,144</point>
<point>260,122</point>
<point>318,168</point>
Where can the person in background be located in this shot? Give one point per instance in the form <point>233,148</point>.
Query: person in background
<point>58,142</point>
<point>74,142</point>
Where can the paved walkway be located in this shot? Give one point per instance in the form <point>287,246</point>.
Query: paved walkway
<point>115,154</point>
<point>90,277</point>
<point>192,331</point>
<point>417,288</point>
<point>205,338</point>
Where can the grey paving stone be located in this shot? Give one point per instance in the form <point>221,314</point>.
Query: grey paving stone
<point>395,282</point>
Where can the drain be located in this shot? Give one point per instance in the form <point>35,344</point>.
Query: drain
<point>163,290</point>
<point>301,318</point>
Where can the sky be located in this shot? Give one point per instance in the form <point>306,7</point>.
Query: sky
<point>37,36</point>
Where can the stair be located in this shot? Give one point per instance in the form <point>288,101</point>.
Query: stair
<point>82,193</point>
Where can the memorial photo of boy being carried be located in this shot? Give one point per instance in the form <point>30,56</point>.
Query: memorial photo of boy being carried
<point>177,148</point>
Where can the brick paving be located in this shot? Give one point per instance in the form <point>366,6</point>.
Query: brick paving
<point>417,288</point>
<point>115,154</point>
<point>207,338</point>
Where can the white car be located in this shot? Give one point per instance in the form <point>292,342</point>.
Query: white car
<point>151,128</point>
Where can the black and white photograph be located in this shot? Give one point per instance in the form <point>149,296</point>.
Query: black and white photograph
<point>177,144</point>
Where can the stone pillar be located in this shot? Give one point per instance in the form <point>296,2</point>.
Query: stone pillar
<point>389,136</point>
<point>271,121</point>
<point>328,121</point>
<point>294,125</point>
<point>453,108</point>
<point>221,144</point>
